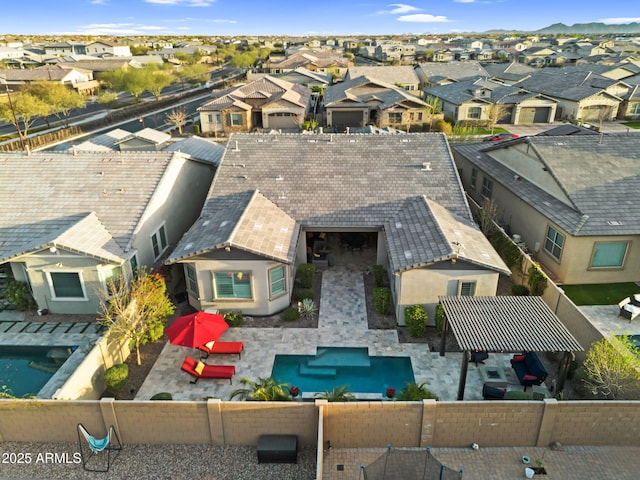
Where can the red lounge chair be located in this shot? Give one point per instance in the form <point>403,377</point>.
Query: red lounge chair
<point>209,371</point>
<point>223,348</point>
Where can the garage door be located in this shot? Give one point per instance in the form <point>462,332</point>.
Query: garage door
<point>347,119</point>
<point>534,115</point>
<point>283,120</point>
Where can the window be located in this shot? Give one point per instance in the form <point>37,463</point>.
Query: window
<point>218,118</point>
<point>554,242</point>
<point>192,280</point>
<point>234,119</point>
<point>159,242</point>
<point>608,255</point>
<point>474,113</point>
<point>66,285</point>
<point>133,263</point>
<point>474,178</point>
<point>277,284</point>
<point>395,117</point>
<point>635,109</point>
<point>466,289</point>
<point>415,116</point>
<point>233,284</point>
<point>487,187</point>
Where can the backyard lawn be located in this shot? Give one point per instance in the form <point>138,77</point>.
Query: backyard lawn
<point>600,294</point>
<point>634,124</point>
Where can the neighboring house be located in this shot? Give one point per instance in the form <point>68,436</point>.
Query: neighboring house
<point>66,75</point>
<point>400,76</point>
<point>103,48</point>
<point>434,73</point>
<point>8,53</point>
<point>302,76</point>
<point>71,222</point>
<point>580,95</point>
<point>106,142</point>
<point>144,140</point>
<point>66,48</point>
<point>392,52</point>
<point>271,193</point>
<point>508,73</point>
<point>269,103</point>
<point>573,200</point>
<point>480,100</point>
<point>311,59</point>
<point>365,101</point>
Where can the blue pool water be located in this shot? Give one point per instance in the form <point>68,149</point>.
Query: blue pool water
<point>336,366</point>
<point>25,370</point>
<point>635,340</point>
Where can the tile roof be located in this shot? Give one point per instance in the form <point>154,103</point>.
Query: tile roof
<point>568,85</point>
<point>453,70</point>
<point>340,181</point>
<point>100,143</point>
<point>364,90</point>
<point>387,74</point>
<point>600,178</point>
<point>45,194</point>
<point>149,135</point>
<point>199,148</point>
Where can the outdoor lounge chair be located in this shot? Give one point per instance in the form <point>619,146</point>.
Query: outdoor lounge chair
<point>628,310</point>
<point>193,367</point>
<point>228,348</point>
<point>97,445</point>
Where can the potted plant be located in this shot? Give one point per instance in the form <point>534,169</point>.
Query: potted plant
<point>390,393</point>
<point>294,391</point>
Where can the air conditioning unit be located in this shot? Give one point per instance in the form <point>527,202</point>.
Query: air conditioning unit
<point>516,238</point>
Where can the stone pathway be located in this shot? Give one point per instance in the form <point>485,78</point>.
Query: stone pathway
<point>343,300</point>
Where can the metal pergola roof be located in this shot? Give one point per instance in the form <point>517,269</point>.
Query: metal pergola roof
<point>507,324</point>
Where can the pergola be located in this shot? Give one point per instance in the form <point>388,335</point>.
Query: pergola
<point>506,324</point>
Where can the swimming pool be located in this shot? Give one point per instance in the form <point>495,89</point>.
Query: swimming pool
<point>336,366</point>
<point>25,370</point>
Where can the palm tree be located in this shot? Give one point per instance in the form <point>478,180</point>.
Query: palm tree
<point>338,394</point>
<point>263,390</point>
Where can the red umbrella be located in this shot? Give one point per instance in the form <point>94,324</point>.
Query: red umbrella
<point>196,329</point>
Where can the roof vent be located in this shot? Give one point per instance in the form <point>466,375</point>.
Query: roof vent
<point>278,247</point>
<point>205,223</point>
<point>614,222</point>
<point>426,166</point>
<point>398,225</point>
<point>405,140</point>
<point>407,254</point>
<point>279,178</point>
<point>257,226</point>
<point>223,223</point>
<point>188,246</point>
<point>284,229</point>
<point>236,149</point>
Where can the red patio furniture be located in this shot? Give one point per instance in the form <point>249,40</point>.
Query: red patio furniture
<point>222,348</point>
<point>200,370</point>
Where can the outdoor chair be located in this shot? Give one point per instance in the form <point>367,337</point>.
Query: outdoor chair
<point>628,310</point>
<point>200,370</point>
<point>222,348</point>
<point>97,445</point>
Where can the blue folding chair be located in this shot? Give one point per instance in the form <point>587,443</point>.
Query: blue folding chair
<point>97,445</point>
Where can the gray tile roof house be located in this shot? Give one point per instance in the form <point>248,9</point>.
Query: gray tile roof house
<point>433,73</point>
<point>270,189</point>
<point>85,212</point>
<point>404,76</point>
<point>199,148</point>
<point>585,187</point>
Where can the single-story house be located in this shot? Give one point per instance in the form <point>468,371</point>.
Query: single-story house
<point>264,103</point>
<point>272,193</point>
<point>70,222</point>
<point>573,200</point>
<point>403,76</point>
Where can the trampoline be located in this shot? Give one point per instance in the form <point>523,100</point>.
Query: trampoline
<point>408,464</point>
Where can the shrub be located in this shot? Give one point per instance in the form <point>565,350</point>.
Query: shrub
<point>196,129</point>
<point>305,274</point>
<point>303,293</point>
<point>234,319</point>
<point>444,127</point>
<point>308,308</point>
<point>382,300</point>
<point>520,290</point>
<point>537,280</point>
<point>19,295</point>
<point>378,275</point>
<point>439,319</point>
<point>116,377</point>
<point>337,394</point>
<point>416,318</point>
<point>517,395</point>
<point>291,314</point>
<point>162,396</point>
<point>414,392</point>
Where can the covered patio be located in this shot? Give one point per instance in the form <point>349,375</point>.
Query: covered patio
<point>506,324</point>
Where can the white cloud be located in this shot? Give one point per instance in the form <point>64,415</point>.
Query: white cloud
<point>464,1</point>
<point>423,18</point>
<point>620,20</point>
<point>398,8</point>
<point>223,20</point>
<point>118,29</point>
<point>99,2</point>
<point>182,3</point>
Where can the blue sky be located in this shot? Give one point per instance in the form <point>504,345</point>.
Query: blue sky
<point>300,17</point>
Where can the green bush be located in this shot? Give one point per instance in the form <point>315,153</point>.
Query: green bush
<point>305,274</point>
<point>414,392</point>
<point>444,127</point>
<point>378,275</point>
<point>196,129</point>
<point>439,319</point>
<point>18,294</point>
<point>308,308</point>
<point>303,293</point>
<point>520,290</point>
<point>537,280</point>
<point>162,396</point>
<point>234,319</point>
<point>416,319</point>
<point>291,314</point>
<point>382,300</point>
<point>116,377</point>
<point>517,395</point>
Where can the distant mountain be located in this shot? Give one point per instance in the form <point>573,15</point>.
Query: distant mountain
<point>591,28</point>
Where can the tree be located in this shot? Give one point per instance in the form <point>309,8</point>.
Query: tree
<point>488,215</point>
<point>495,112</point>
<point>60,98</point>
<point>264,390</point>
<point>177,117</point>
<point>613,368</point>
<point>27,108</point>
<point>194,74</point>
<point>158,79</point>
<point>136,312</point>
<point>435,104</point>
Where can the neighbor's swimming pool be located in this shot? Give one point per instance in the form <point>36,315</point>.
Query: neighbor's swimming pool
<point>24,370</point>
<point>336,366</point>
